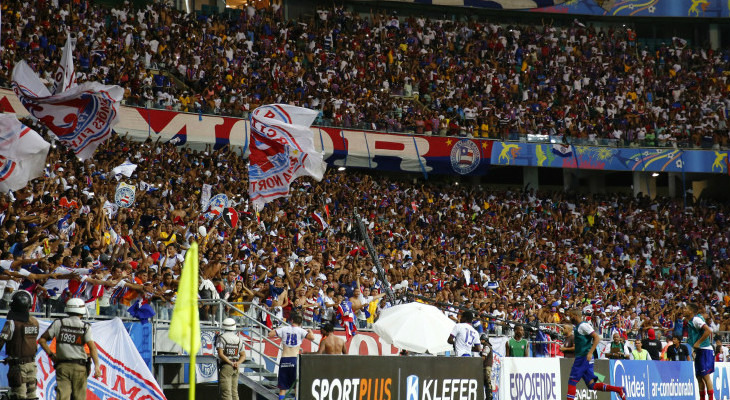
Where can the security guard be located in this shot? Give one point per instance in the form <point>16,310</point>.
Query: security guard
<point>70,360</point>
<point>20,333</point>
<point>230,356</point>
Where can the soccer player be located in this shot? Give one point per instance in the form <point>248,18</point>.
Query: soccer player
<point>291,339</point>
<point>699,339</point>
<point>464,337</point>
<point>586,341</point>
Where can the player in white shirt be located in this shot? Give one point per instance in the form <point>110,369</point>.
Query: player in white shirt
<point>291,340</point>
<point>464,337</point>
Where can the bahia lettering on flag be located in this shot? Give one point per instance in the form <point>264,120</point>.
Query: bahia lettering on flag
<point>81,117</point>
<point>23,153</point>
<point>282,149</point>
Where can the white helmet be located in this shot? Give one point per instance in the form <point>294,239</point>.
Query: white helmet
<point>229,325</point>
<point>75,306</point>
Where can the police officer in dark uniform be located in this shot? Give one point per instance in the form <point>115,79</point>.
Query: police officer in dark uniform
<point>20,333</point>
<point>70,359</point>
<point>230,356</point>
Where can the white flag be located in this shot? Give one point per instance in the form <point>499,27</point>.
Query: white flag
<point>23,153</point>
<point>65,77</point>
<point>81,117</point>
<point>282,149</point>
<point>126,169</point>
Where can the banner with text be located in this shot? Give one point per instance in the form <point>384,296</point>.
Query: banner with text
<point>524,378</point>
<point>407,153</point>
<point>721,381</point>
<point>651,380</point>
<point>390,378</point>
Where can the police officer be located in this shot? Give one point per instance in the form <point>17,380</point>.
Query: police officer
<point>230,356</point>
<point>20,333</point>
<point>70,360</point>
<point>488,360</point>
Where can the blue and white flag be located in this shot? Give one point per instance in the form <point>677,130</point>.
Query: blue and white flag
<point>282,149</point>
<point>23,153</point>
<point>562,150</point>
<point>126,169</point>
<point>81,117</point>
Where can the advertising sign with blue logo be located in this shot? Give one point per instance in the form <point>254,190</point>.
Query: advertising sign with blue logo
<point>651,380</point>
<point>721,381</point>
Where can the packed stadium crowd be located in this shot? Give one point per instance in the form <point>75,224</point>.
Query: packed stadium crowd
<point>514,256</point>
<point>384,72</point>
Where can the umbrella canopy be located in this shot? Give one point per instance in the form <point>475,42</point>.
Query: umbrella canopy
<point>415,327</point>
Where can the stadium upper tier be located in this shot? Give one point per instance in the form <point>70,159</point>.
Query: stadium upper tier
<point>380,72</point>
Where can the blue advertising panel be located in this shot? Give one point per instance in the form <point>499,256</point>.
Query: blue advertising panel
<point>720,381</point>
<point>653,380</point>
<point>643,8</point>
<point>609,158</point>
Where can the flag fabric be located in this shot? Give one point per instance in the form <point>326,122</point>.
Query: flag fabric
<point>185,323</point>
<point>205,194</point>
<point>347,318</point>
<point>23,153</point>
<point>126,168</point>
<point>562,150</point>
<point>81,117</point>
<point>727,162</point>
<point>65,77</point>
<point>320,220</point>
<point>282,149</point>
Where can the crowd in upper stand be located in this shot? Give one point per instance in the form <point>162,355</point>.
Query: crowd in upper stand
<point>515,256</point>
<point>385,72</point>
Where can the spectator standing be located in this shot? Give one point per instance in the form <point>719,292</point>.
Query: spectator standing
<point>677,351</point>
<point>721,352</point>
<point>652,345</point>
<point>639,352</point>
<point>568,347</point>
<point>517,345</point>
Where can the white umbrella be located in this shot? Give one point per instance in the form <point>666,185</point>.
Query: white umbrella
<point>415,327</point>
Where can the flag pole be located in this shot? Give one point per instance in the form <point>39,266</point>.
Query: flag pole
<point>191,389</point>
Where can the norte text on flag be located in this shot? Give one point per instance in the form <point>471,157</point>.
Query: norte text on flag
<point>282,148</point>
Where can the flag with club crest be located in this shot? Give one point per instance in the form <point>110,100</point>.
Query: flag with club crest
<point>23,153</point>
<point>282,149</point>
<point>81,117</point>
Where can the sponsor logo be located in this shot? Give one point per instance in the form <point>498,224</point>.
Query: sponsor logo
<point>383,389</point>
<point>534,386</point>
<point>355,389</point>
<point>465,156</point>
<point>412,388</point>
<point>633,386</point>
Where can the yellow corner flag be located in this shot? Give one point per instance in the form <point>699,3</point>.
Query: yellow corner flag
<point>185,324</point>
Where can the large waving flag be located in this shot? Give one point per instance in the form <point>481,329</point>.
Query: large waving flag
<point>282,149</point>
<point>65,76</point>
<point>185,324</point>
<point>81,117</point>
<point>23,153</point>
